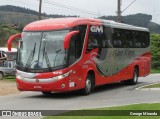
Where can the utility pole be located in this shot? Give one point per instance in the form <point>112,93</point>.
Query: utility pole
<point>119,16</point>
<point>40,8</point>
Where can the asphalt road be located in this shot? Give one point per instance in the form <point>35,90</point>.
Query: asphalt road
<point>104,96</point>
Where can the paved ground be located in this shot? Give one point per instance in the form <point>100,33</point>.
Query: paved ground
<point>105,96</point>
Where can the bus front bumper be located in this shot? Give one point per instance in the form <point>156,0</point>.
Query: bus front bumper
<point>62,85</point>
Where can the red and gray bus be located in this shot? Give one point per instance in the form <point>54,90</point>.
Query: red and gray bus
<point>66,54</point>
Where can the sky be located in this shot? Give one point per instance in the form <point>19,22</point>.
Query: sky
<point>94,8</point>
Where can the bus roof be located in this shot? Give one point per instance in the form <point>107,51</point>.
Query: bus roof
<point>5,49</point>
<point>57,23</point>
<point>114,24</point>
<point>64,23</point>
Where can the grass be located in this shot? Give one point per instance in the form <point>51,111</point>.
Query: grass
<point>135,107</point>
<point>144,106</point>
<point>153,86</point>
<point>154,71</point>
<point>10,78</point>
<point>102,117</point>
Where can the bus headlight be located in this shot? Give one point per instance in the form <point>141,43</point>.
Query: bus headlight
<point>45,80</point>
<point>61,76</point>
<point>19,77</point>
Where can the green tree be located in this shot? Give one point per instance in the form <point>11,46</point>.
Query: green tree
<point>155,50</point>
<point>5,32</point>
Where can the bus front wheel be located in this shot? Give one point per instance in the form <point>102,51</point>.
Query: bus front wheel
<point>88,85</point>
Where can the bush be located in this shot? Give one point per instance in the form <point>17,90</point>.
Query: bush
<point>155,50</point>
<point>155,65</point>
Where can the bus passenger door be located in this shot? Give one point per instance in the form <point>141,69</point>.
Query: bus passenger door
<point>75,55</point>
<point>100,37</point>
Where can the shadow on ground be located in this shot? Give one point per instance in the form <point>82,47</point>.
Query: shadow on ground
<point>74,94</point>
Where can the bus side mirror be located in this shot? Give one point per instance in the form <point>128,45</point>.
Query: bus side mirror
<point>68,37</point>
<point>12,38</point>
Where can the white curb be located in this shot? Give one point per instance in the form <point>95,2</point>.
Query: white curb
<point>142,87</point>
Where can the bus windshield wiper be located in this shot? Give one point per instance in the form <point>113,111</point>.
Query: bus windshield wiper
<point>56,56</point>
<point>45,55</point>
<point>30,58</point>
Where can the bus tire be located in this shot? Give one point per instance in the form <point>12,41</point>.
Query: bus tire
<point>88,85</point>
<point>134,80</point>
<point>1,75</point>
<point>46,93</point>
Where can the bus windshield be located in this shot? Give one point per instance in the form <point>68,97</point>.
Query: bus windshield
<point>41,50</point>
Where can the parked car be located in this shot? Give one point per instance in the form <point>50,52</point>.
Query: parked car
<point>7,69</point>
<point>7,62</point>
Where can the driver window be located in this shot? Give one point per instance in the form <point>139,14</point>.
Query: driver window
<point>76,44</point>
<point>92,42</point>
<point>95,37</point>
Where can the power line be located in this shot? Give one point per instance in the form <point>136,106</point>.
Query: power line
<point>128,6</point>
<point>17,1</point>
<point>61,6</point>
<point>70,7</point>
<point>119,12</point>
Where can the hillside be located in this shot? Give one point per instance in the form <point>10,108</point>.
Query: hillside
<point>141,20</point>
<point>16,18</point>
<point>13,19</point>
<point>18,15</point>
<point>22,16</point>
<point>6,31</point>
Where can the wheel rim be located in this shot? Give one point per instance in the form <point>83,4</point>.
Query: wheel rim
<point>88,85</point>
<point>135,77</point>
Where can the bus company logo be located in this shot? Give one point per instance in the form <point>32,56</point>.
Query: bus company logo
<point>96,29</point>
<point>57,73</point>
<point>37,80</point>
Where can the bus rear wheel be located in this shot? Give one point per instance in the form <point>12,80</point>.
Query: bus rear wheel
<point>88,85</point>
<point>134,80</point>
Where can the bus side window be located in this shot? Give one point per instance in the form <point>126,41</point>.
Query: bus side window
<point>147,39</point>
<point>92,42</point>
<point>106,44</point>
<point>118,41</point>
<point>106,38</point>
<point>129,40</point>
<point>144,39</point>
<point>137,40</point>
